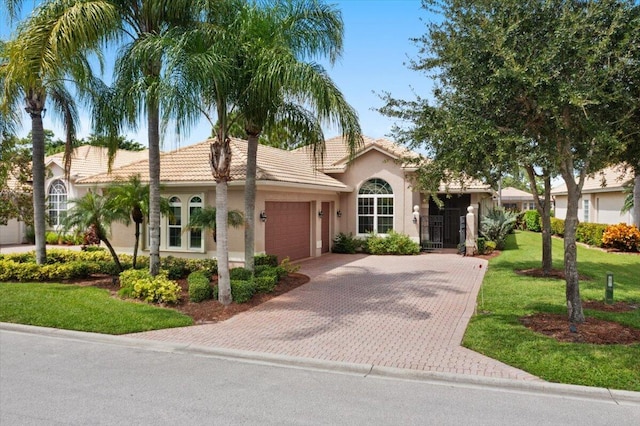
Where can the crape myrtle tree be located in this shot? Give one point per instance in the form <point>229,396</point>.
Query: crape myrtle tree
<point>537,83</point>
<point>278,88</point>
<point>49,53</point>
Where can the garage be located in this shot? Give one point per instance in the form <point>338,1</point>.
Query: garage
<point>288,230</point>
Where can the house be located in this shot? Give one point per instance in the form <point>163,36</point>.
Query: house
<point>301,205</point>
<point>602,197</point>
<point>516,199</point>
<point>86,160</point>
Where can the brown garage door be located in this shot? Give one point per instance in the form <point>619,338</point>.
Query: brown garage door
<point>287,230</point>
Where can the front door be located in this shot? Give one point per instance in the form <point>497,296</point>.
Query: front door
<point>326,216</point>
<point>453,208</point>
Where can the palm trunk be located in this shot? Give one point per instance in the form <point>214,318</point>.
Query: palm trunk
<point>250,202</point>
<point>572,291</point>
<point>636,198</point>
<point>114,255</point>
<point>153,123</point>
<point>136,245</point>
<point>39,193</point>
<point>222,246</point>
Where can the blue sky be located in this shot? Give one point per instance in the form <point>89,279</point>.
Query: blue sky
<point>376,49</point>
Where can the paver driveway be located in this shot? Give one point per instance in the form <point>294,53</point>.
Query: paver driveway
<point>395,311</point>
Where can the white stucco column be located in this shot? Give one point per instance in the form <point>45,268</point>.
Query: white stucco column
<point>471,238</point>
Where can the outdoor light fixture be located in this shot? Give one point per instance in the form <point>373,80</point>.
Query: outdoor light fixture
<point>339,213</point>
<point>608,291</point>
<point>416,214</point>
<point>263,216</point>
<point>320,213</point>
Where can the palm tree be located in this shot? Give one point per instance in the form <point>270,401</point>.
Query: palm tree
<point>97,212</point>
<point>49,50</point>
<point>133,196</point>
<point>276,87</point>
<point>205,218</point>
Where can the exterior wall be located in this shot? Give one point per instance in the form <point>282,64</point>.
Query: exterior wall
<point>375,164</point>
<point>12,233</point>
<point>604,207</point>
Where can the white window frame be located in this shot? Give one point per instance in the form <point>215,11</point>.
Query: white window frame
<point>376,197</point>
<point>585,210</point>
<point>191,233</point>
<point>175,222</point>
<point>57,198</point>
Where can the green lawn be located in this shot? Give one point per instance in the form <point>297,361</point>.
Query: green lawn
<point>506,296</point>
<point>81,308</point>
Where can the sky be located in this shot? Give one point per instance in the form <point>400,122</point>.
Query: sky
<point>377,48</point>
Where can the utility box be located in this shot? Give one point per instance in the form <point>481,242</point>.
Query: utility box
<point>608,290</point>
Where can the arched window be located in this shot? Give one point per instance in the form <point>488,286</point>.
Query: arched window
<point>195,235</point>
<point>175,222</point>
<point>375,207</point>
<point>57,202</point>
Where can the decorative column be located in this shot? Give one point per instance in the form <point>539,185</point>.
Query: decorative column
<point>471,240</point>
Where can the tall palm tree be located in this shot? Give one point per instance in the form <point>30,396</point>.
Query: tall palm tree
<point>205,218</point>
<point>97,212</point>
<point>50,50</point>
<point>276,86</point>
<point>133,196</point>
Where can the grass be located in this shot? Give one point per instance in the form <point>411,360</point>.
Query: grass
<point>506,296</point>
<point>81,308</point>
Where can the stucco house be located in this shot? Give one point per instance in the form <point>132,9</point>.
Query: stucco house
<point>86,161</point>
<point>516,199</point>
<point>300,204</point>
<point>602,197</point>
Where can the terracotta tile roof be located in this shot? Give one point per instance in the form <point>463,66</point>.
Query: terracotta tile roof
<point>87,160</point>
<point>191,165</point>
<point>610,179</point>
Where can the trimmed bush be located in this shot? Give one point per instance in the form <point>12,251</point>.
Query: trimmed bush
<point>532,221</point>
<point>265,283</point>
<point>489,247</point>
<point>346,243</point>
<point>481,245</point>
<point>199,287</point>
<point>590,233</point>
<point>557,227</point>
<point>139,284</point>
<point>394,243</point>
<point>622,237</point>
<point>265,259</point>
<point>242,290</point>
<point>241,274</point>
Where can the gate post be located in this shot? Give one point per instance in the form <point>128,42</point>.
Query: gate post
<point>471,241</point>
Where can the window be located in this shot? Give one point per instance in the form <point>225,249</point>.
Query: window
<point>585,210</point>
<point>375,207</point>
<point>175,222</point>
<point>57,202</point>
<point>195,235</point>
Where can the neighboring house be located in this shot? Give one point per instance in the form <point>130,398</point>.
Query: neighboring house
<point>86,160</point>
<point>516,199</point>
<point>300,205</point>
<point>602,197</point>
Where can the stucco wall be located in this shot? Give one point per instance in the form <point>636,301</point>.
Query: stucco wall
<point>604,207</point>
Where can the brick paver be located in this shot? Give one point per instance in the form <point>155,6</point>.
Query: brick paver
<point>395,311</point>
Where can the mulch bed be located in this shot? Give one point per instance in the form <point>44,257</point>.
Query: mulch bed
<point>554,273</point>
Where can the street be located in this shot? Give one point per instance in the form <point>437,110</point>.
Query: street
<point>63,380</point>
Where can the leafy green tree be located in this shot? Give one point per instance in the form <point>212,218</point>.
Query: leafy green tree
<point>205,218</point>
<point>50,49</point>
<point>536,83</point>
<point>97,212</point>
<point>16,199</point>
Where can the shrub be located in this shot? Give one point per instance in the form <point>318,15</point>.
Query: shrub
<point>590,233</point>
<point>557,227</point>
<point>532,221</point>
<point>288,267</point>
<point>242,290</point>
<point>93,248</point>
<point>240,274</point>
<point>176,267</point>
<point>489,247</point>
<point>265,283</point>
<point>496,225</point>
<point>346,243</point>
<point>265,259</point>
<point>622,237</point>
<point>481,245</point>
<point>199,287</point>
<point>394,243</point>
<point>139,284</point>
<point>51,237</point>
<point>262,270</point>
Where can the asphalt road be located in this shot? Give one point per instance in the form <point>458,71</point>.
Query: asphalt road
<point>63,379</point>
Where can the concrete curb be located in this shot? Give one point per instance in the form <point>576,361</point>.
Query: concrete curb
<point>620,397</point>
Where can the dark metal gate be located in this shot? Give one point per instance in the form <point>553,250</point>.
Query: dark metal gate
<point>431,232</point>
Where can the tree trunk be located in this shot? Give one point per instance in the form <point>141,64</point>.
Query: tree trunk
<point>574,303</point>
<point>153,123</point>
<point>114,255</point>
<point>636,198</point>
<point>250,201</point>
<point>544,209</point>
<point>34,107</point>
<point>136,245</point>
<point>222,247</point>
